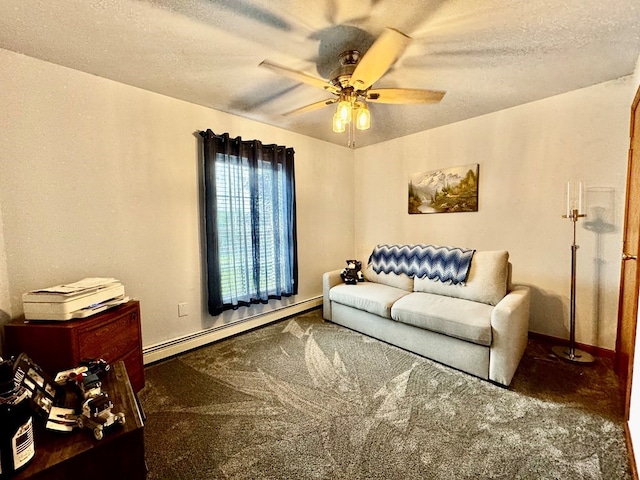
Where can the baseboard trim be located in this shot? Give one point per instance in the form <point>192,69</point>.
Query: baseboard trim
<point>593,350</point>
<point>170,348</point>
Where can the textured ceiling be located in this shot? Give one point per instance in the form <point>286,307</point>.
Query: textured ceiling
<point>488,55</point>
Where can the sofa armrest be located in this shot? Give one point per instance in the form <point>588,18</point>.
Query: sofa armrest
<point>510,329</point>
<point>329,280</point>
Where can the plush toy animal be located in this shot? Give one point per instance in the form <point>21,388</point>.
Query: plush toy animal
<point>352,273</point>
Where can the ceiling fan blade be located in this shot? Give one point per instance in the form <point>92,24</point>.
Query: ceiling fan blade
<point>312,107</point>
<point>383,53</point>
<point>404,95</point>
<point>299,76</point>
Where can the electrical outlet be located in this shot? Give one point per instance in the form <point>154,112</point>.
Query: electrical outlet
<point>183,310</point>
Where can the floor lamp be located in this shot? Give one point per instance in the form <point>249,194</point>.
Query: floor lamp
<point>575,211</point>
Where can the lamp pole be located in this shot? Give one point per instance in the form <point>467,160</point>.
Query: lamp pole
<point>571,353</point>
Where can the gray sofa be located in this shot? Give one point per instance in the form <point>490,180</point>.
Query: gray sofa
<point>479,327</point>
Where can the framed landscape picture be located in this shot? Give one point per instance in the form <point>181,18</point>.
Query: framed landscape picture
<point>447,190</point>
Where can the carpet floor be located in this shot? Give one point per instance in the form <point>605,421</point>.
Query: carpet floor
<point>308,399</point>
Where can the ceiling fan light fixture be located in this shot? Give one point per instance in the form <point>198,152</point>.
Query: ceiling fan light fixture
<point>351,84</point>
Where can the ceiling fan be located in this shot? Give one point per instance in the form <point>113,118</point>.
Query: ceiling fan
<point>352,82</point>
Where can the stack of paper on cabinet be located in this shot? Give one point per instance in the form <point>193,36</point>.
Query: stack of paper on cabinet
<point>73,300</point>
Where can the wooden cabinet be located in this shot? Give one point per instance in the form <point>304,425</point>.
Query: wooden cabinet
<point>77,454</point>
<point>112,335</point>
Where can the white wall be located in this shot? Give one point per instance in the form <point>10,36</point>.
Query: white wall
<point>526,154</point>
<point>98,178</point>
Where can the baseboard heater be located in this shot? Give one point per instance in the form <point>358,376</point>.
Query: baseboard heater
<point>169,348</point>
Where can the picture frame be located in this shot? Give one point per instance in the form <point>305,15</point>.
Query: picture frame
<point>447,190</point>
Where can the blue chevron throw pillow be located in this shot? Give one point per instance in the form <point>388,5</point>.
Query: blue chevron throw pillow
<point>446,264</point>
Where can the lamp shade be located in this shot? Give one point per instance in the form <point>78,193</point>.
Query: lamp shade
<point>363,116</point>
<point>574,194</point>
<point>339,125</point>
<point>344,111</point>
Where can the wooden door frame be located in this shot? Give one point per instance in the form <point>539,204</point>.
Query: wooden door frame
<point>624,359</point>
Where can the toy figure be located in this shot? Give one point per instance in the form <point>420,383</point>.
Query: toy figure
<point>97,415</point>
<point>352,273</point>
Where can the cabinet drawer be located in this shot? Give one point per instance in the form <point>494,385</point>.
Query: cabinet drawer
<point>111,341</point>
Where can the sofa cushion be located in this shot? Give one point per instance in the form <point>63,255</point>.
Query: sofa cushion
<point>371,297</point>
<point>455,317</point>
<point>486,282</point>
<point>392,279</point>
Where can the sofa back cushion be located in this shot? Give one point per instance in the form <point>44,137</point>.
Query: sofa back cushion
<point>392,279</point>
<point>486,282</point>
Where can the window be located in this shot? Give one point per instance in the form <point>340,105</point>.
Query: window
<point>250,222</point>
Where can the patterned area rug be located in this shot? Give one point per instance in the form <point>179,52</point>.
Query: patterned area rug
<point>307,399</point>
